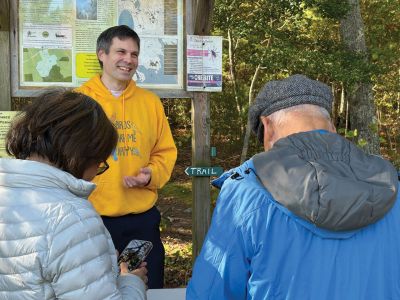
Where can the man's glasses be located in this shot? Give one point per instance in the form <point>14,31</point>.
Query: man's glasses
<point>102,168</point>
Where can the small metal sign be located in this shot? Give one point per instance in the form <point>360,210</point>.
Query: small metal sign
<point>204,171</point>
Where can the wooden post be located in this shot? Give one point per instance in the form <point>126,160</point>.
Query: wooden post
<point>203,16</point>
<point>5,70</point>
<point>201,139</point>
<point>201,158</point>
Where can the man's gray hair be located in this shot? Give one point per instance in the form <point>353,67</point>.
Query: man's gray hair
<point>280,117</point>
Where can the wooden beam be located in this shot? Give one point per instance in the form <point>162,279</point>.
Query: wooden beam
<point>5,70</point>
<point>162,93</point>
<point>203,16</point>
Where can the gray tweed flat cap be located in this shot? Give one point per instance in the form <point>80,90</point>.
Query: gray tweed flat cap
<point>291,91</point>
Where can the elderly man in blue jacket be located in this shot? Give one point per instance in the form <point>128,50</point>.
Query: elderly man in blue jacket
<point>313,217</point>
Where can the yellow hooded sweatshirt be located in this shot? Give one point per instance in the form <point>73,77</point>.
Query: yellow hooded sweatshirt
<point>145,140</point>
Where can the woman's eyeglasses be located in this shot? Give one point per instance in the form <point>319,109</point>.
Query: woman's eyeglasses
<point>102,168</point>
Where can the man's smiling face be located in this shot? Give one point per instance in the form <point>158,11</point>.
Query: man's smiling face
<point>121,62</point>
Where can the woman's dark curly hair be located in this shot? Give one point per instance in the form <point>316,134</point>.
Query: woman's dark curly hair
<point>69,129</point>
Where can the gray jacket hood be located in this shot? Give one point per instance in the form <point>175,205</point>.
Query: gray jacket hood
<point>327,180</point>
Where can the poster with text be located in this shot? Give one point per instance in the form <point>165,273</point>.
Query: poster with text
<point>57,40</point>
<point>204,63</point>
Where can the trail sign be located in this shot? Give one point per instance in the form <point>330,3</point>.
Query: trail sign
<point>204,171</point>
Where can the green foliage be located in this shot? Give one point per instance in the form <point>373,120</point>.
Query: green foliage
<point>288,37</point>
<point>178,112</point>
<point>329,9</point>
<point>362,143</point>
<point>182,191</point>
<point>283,37</point>
<point>382,28</point>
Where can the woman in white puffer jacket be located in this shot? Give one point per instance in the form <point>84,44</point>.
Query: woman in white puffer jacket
<point>53,244</point>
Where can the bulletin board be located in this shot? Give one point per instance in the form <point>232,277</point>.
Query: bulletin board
<point>55,41</point>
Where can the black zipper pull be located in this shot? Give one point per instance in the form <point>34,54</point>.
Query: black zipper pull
<point>236,176</point>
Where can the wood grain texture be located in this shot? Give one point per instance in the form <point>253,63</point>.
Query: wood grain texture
<point>5,69</point>
<point>200,158</point>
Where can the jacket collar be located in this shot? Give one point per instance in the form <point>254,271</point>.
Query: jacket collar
<point>25,173</point>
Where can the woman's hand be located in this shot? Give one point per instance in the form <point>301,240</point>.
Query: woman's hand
<point>141,271</point>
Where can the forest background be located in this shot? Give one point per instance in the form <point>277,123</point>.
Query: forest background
<point>351,45</point>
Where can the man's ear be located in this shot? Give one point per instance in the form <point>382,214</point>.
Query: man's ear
<point>333,127</point>
<point>100,55</point>
<point>264,120</point>
<point>268,132</point>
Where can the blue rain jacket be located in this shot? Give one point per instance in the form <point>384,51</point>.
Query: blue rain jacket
<point>258,248</point>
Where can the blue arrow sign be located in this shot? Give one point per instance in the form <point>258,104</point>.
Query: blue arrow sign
<point>204,171</point>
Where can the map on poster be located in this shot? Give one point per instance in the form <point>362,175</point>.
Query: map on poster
<point>47,65</point>
<point>156,23</point>
<point>46,46</point>
<point>57,40</point>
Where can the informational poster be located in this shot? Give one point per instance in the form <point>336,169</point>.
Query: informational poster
<point>204,63</point>
<point>159,26</point>
<point>5,121</point>
<point>57,40</point>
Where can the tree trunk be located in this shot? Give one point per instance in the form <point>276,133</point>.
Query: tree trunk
<point>232,71</point>
<point>336,105</point>
<point>248,129</point>
<point>360,97</point>
<point>343,110</point>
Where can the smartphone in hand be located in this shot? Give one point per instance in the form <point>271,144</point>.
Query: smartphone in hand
<point>135,253</point>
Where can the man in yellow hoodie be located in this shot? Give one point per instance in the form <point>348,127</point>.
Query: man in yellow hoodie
<point>143,160</point>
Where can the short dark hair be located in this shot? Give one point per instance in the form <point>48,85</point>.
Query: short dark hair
<point>69,129</point>
<point>122,32</point>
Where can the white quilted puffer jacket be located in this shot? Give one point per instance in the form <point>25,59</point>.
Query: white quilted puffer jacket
<point>53,244</point>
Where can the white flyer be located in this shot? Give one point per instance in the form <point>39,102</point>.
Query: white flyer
<point>204,63</point>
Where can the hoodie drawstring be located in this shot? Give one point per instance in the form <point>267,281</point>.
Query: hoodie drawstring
<point>123,120</point>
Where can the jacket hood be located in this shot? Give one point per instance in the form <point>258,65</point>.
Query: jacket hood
<point>323,178</point>
<point>96,86</point>
<point>26,173</point>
